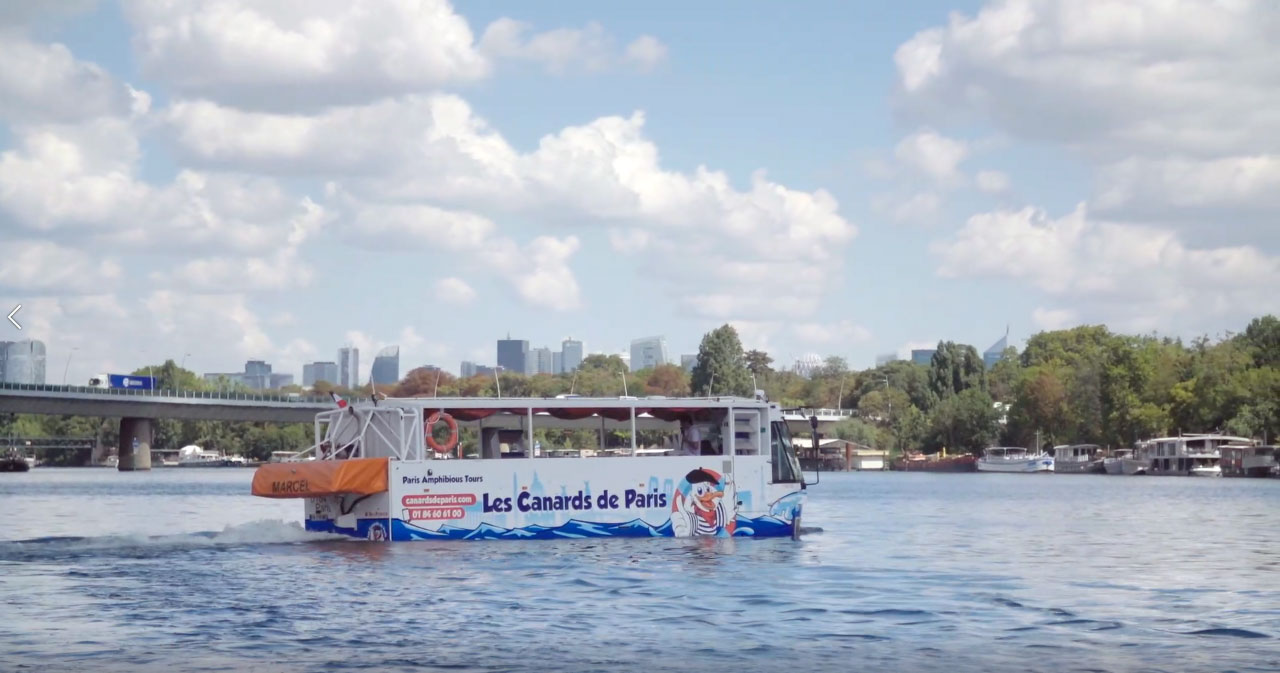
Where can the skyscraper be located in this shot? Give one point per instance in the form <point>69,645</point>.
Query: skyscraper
<point>468,369</point>
<point>557,362</point>
<point>648,352</point>
<point>349,367</point>
<point>513,355</point>
<point>22,362</point>
<point>257,375</point>
<point>885,358</point>
<point>570,355</point>
<point>386,366</point>
<point>688,362</point>
<point>319,371</point>
<point>923,356</point>
<point>542,361</point>
<point>278,381</point>
<point>996,352</point>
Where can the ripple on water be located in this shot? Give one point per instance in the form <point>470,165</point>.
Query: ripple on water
<point>891,583</point>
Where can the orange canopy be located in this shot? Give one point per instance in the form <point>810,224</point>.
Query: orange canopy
<point>361,476</point>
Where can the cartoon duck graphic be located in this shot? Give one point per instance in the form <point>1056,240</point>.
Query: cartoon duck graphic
<point>705,504</point>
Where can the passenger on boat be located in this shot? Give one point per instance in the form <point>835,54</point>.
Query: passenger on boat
<point>690,437</point>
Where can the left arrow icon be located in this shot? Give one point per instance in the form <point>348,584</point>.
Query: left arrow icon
<point>13,313</point>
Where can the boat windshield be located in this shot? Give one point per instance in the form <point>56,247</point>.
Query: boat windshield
<point>786,467</point>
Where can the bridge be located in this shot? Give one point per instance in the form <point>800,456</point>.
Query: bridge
<point>136,410</point>
<point>48,443</point>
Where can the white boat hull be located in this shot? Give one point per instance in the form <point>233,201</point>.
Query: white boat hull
<point>1129,466</point>
<point>1214,471</point>
<point>1020,465</point>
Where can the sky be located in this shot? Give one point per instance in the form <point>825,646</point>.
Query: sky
<point>223,180</point>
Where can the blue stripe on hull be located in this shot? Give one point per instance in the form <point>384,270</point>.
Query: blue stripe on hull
<point>763,526</point>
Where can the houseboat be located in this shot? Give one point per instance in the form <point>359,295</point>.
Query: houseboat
<point>1077,459</point>
<point>1196,455</point>
<point>484,468</point>
<point>1247,460</point>
<point>1014,459</point>
<point>936,462</point>
<point>1122,461</point>
<point>194,456</point>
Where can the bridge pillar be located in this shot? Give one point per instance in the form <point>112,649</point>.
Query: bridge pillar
<point>135,443</point>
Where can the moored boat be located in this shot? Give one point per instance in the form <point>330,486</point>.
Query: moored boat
<point>194,456</point>
<point>1196,455</point>
<point>13,461</point>
<point>919,462</point>
<point>1248,460</point>
<point>1122,461</point>
<point>1014,459</point>
<point>1077,459</point>
<point>396,470</point>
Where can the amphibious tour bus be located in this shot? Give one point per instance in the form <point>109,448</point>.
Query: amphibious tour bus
<point>399,469</point>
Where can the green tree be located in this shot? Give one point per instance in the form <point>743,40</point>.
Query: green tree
<point>956,368</point>
<point>668,380</point>
<point>721,368</point>
<point>758,363</point>
<point>856,430</point>
<point>1262,339</point>
<point>1002,379</point>
<point>169,376</point>
<point>965,421</point>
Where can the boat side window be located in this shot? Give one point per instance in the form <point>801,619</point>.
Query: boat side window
<point>786,467</point>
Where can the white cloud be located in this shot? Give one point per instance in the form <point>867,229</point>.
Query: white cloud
<point>756,334</point>
<point>925,164</point>
<point>591,47</point>
<point>992,182</point>
<point>281,271</point>
<point>629,241</point>
<point>917,207</point>
<point>1173,101</point>
<point>286,53</point>
<point>646,52</point>
<point>453,291</point>
<point>539,271</point>
<point>1250,183</point>
<point>1165,75</point>
<point>932,154</point>
<point>46,83</point>
<point>1054,319</point>
<point>46,267</point>
<point>93,333</point>
<point>433,148</point>
<point>1134,276</point>
<point>22,13</point>
<point>844,332</point>
<point>415,350</point>
<point>83,178</point>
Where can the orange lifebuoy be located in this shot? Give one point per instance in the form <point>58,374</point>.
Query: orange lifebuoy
<point>449,444</point>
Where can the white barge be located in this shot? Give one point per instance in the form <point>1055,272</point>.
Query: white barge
<point>1014,459</point>
<point>484,468</point>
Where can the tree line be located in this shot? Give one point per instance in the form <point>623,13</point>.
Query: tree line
<point>1080,385</point>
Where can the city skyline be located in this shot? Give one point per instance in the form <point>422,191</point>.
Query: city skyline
<point>590,169</point>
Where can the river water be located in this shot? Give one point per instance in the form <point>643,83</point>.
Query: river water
<point>181,570</point>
